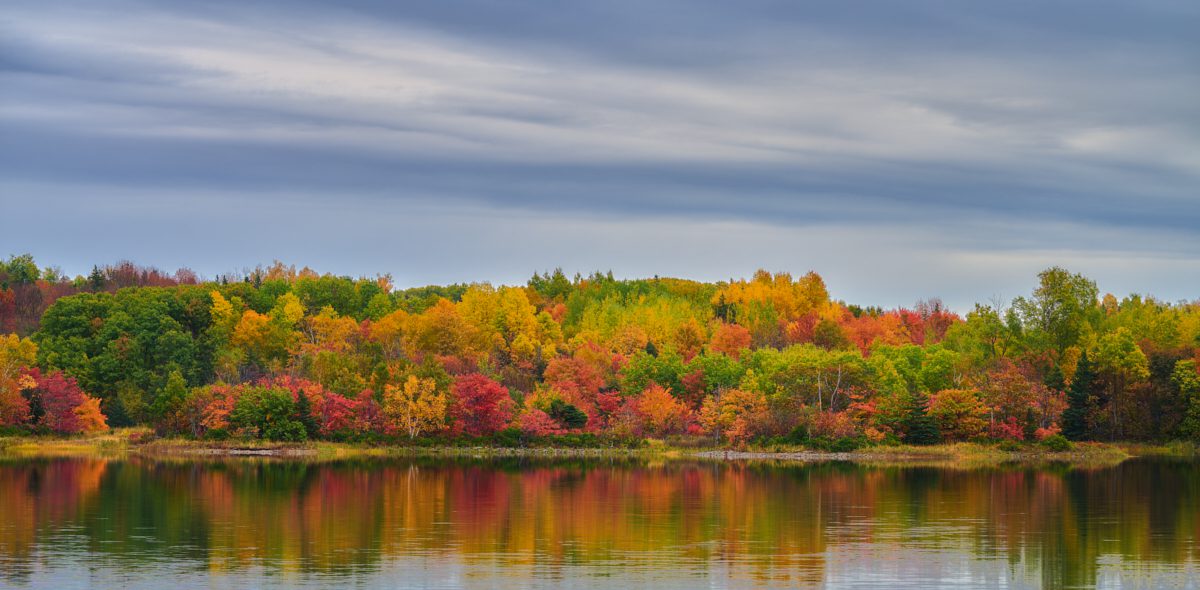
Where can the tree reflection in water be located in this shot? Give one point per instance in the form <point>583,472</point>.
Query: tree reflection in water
<point>527,524</point>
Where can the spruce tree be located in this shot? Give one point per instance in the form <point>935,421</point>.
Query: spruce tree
<point>919,428</point>
<point>1074,418</point>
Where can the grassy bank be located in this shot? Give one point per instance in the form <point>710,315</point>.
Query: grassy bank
<point>141,442</point>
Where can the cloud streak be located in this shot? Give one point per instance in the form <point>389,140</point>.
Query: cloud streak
<point>1023,130</point>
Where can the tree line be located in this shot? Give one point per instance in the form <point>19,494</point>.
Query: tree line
<point>287,354</point>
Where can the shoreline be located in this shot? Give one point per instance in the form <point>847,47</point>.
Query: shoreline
<point>122,444</point>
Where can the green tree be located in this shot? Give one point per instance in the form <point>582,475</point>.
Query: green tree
<point>1079,401</point>
<point>919,427</point>
<point>1058,312</point>
<point>567,414</point>
<point>270,412</point>
<point>1186,379</point>
<point>1121,361</point>
<point>168,406</point>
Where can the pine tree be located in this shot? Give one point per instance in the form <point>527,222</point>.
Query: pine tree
<point>920,429</point>
<point>1074,418</point>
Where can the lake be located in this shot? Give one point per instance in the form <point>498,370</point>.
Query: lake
<point>136,523</point>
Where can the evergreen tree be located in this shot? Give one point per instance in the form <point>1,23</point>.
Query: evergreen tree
<point>919,428</point>
<point>304,414</point>
<point>97,280</point>
<point>567,414</point>
<point>1074,418</point>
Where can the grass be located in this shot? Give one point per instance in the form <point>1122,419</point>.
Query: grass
<point>141,441</point>
<point>1179,448</point>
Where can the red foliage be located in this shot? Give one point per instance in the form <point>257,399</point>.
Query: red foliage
<point>456,365</point>
<point>694,388</point>
<point>535,422</point>
<point>833,425</point>
<point>608,404</point>
<point>481,406</point>
<point>368,418</point>
<point>576,379</point>
<point>1007,429</point>
<point>336,413</point>
<point>60,396</point>
<point>801,330</point>
<point>1042,433</point>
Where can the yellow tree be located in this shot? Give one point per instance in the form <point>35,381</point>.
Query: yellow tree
<point>16,354</point>
<point>328,332</point>
<point>389,333</point>
<point>415,407</point>
<point>440,330</point>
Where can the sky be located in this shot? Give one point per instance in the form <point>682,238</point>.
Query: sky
<point>903,150</point>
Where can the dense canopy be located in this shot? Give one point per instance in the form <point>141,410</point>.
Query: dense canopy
<point>286,354</point>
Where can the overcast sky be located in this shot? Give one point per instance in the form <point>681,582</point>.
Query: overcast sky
<point>903,150</point>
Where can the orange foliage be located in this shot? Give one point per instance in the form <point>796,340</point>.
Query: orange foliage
<point>730,339</point>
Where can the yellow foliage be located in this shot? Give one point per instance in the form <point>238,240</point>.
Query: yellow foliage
<point>288,308</point>
<point>790,299</point>
<point>222,309</point>
<point>415,407</point>
<point>389,331</point>
<point>251,330</point>
<point>327,331</point>
<point>15,354</point>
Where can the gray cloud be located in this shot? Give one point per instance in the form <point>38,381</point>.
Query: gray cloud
<point>1027,130</point>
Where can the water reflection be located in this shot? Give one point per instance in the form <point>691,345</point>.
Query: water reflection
<point>96,523</point>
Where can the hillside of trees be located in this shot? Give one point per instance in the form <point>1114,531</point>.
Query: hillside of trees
<point>281,354</point>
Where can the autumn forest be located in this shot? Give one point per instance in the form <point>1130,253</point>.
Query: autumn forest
<point>284,354</point>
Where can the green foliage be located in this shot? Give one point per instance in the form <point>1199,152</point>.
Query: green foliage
<point>1057,443</point>
<point>566,414</point>
<point>1079,401</point>
<point>168,405</point>
<point>270,413</point>
<point>1060,310</point>
<point>919,427</point>
<point>643,368</point>
<point>1186,379</point>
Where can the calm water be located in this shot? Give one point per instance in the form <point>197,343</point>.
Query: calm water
<point>243,524</point>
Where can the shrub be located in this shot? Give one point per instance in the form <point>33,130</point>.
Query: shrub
<point>509,437</point>
<point>843,444</point>
<point>1057,443</point>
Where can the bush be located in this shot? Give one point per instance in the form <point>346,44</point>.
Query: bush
<point>217,434</point>
<point>1010,446</point>
<point>510,437</point>
<point>1057,443</point>
<point>844,444</point>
